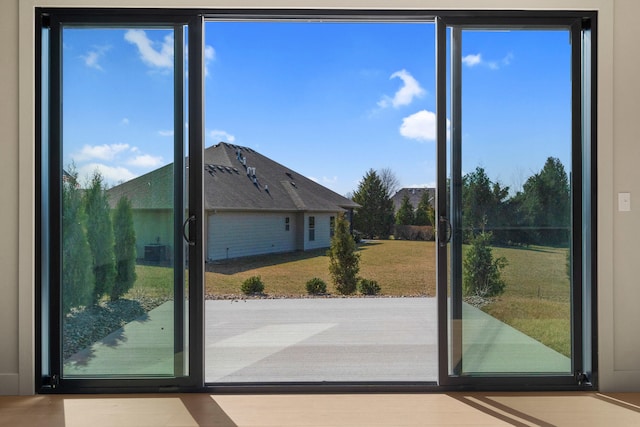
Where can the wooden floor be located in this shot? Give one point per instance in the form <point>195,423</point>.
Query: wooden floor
<point>302,410</point>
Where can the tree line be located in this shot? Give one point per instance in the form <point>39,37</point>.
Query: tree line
<point>539,213</point>
<point>98,245</point>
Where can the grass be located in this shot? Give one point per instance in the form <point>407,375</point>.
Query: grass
<point>153,282</point>
<point>536,300</point>
<point>400,267</point>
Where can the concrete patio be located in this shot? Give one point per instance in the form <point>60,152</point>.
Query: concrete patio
<point>316,340</point>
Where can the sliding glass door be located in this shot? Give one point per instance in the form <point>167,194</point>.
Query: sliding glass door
<point>120,214</point>
<point>470,268</point>
<point>511,196</point>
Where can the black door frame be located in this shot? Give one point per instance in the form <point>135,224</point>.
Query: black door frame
<point>47,302</point>
<point>449,204</point>
<point>49,363</point>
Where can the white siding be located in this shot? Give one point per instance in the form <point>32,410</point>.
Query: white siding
<point>238,234</point>
<point>322,237</point>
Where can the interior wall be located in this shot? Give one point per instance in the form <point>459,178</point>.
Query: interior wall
<point>9,194</point>
<point>626,178</point>
<point>618,95</point>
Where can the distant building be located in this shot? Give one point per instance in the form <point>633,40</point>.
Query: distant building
<point>415,195</point>
<point>253,205</point>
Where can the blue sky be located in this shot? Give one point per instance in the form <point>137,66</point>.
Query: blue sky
<point>329,100</point>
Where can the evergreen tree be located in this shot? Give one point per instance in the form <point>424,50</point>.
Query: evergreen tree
<point>77,277</point>
<point>405,215</point>
<point>481,275</point>
<point>124,248</point>
<point>547,204</point>
<point>375,215</point>
<point>100,236</point>
<point>482,202</point>
<point>425,214</point>
<point>344,262</point>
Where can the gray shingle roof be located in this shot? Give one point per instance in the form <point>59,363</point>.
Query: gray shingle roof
<point>236,178</point>
<point>240,178</point>
<point>415,194</point>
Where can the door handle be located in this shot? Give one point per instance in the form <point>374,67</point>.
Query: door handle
<point>445,238</point>
<point>187,239</point>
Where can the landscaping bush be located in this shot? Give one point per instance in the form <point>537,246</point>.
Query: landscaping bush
<point>413,232</point>
<point>316,286</point>
<point>481,275</point>
<point>253,285</point>
<point>344,262</point>
<point>368,287</point>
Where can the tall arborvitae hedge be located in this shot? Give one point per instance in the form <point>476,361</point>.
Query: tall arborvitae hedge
<point>125,248</point>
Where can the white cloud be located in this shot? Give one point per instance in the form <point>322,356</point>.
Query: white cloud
<point>209,55</point>
<point>472,60</point>
<point>404,96</point>
<point>168,132</point>
<point>102,152</point>
<point>124,121</point>
<point>220,135</point>
<point>111,174</point>
<point>420,126</point>
<point>314,179</point>
<point>427,185</point>
<point>161,57</point>
<point>91,58</point>
<point>145,161</point>
<point>330,180</point>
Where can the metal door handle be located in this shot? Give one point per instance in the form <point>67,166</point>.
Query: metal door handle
<point>447,234</point>
<point>192,218</point>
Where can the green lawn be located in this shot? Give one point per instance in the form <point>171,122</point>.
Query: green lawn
<point>536,300</point>
<point>400,267</point>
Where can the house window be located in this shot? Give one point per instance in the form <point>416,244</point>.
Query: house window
<point>332,225</point>
<point>286,223</point>
<point>312,228</point>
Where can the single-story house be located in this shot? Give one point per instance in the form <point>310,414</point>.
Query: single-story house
<point>253,205</point>
<point>415,195</point>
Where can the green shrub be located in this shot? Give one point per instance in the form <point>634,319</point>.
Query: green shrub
<point>368,287</point>
<point>481,274</point>
<point>124,249</point>
<point>253,285</point>
<point>316,286</point>
<point>344,262</point>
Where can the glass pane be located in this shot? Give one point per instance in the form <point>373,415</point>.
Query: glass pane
<point>302,119</point>
<point>121,261</point>
<point>515,229</point>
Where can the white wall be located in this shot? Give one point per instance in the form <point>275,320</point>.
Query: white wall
<point>238,234</point>
<point>618,153</point>
<point>322,233</point>
<point>9,214</point>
